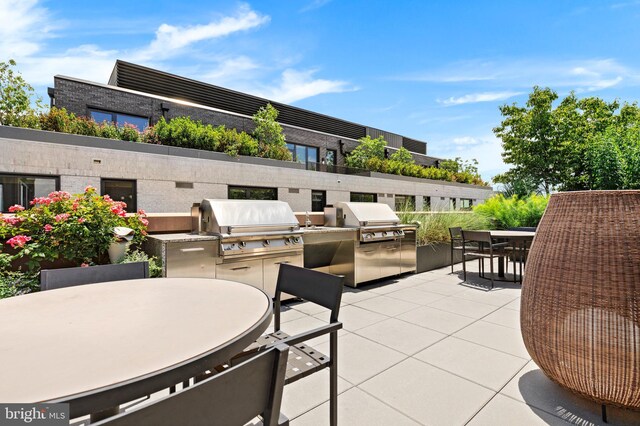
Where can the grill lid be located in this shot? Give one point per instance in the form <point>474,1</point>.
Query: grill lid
<point>247,216</point>
<point>368,214</point>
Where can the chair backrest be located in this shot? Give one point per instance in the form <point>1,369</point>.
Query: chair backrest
<point>233,397</point>
<point>455,233</point>
<point>68,277</point>
<point>314,286</point>
<point>478,236</point>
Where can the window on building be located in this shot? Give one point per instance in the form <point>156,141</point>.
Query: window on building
<point>21,189</point>
<point>120,119</point>
<point>121,190</point>
<point>363,197</point>
<point>318,200</point>
<point>303,154</point>
<point>426,204</point>
<point>405,202</point>
<point>252,193</point>
<point>452,203</point>
<point>331,157</point>
<point>466,203</point>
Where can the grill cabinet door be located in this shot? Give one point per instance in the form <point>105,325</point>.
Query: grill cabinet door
<point>191,259</point>
<point>367,262</point>
<point>390,258</point>
<point>243,271</point>
<point>271,268</point>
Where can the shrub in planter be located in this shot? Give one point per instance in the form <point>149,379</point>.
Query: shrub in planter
<point>77,228</point>
<point>510,212</point>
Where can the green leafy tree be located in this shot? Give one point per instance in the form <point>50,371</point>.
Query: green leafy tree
<point>268,132</point>
<point>366,150</point>
<point>403,156</point>
<point>562,146</point>
<point>16,97</point>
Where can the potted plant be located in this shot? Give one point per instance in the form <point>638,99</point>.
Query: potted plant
<point>432,235</point>
<point>62,230</point>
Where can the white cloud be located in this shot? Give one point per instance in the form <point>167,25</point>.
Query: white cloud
<point>479,97</point>
<point>295,85</point>
<point>506,75</point>
<point>315,4</point>
<point>484,148</point>
<point>171,40</point>
<point>23,27</point>
<point>228,69</point>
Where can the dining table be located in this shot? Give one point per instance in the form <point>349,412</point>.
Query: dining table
<point>100,345</point>
<point>521,241</point>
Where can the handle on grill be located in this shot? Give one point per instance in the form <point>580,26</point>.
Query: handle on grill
<point>188,250</point>
<point>283,262</point>
<point>239,268</point>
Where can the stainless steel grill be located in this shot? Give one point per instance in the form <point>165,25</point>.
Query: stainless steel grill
<point>255,237</point>
<point>385,246</point>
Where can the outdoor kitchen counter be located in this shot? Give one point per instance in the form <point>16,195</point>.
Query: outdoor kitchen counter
<point>328,229</point>
<point>183,237</point>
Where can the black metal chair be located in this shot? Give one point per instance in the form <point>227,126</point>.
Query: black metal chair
<point>319,288</point>
<point>51,279</point>
<point>233,397</point>
<point>487,250</point>
<point>456,242</point>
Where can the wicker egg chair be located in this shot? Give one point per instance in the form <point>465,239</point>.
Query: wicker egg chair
<point>580,314</point>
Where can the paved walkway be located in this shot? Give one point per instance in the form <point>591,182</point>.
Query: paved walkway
<point>428,349</point>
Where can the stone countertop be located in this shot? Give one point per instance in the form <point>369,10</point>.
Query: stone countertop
<point>326,229</point>
<point>183,237</point>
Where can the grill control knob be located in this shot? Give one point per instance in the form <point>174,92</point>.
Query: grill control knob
<point>242,244</point>
<point>368,236</point>
<point>296,240</point>
<point>287,241</point>
<point>266,243</point>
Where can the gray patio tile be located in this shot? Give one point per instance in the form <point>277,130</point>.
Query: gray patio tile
<point>495,336</point>
<point>428,394</point>
<point>416,296</point>
<point>382,287</point>
<point>506,317</point>
<point>506,411</point>
<point>290,314</point>
<point>309,308</point>
<point>467,308</point>
<point>477,363</point>
<point>446,289</point>
<point>387,305</point>
<point>360,359</point>
<point>515,305</point>
<point>309,392</point>
<point>401,336</point>
<point>534,388</point>
<point>495,297</point>
<point>354,318</point>
<point>436,319</point>
<point>355,407</point>
<point>299,325</point>
<point>350,297</point>
<point>448,279</point>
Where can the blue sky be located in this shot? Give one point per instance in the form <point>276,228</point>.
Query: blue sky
<point>431,70</point>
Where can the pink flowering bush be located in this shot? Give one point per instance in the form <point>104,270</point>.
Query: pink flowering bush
<point>61,226</point>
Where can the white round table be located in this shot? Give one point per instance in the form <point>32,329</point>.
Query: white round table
<point>99,345</point>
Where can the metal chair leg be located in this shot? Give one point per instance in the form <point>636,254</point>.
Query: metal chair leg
<point>491,270</point>
<point>333,379</point>
<point>452,257</point>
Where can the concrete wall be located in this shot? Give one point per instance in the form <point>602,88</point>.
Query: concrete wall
<point>80,97</point>
<point>81,161</point>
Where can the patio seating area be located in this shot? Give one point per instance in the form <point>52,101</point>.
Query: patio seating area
<point>429,349</point>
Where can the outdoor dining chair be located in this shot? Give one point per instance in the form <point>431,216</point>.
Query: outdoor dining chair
<point>233,397</point>
<point>319,288</point>
<point>457,243</point>
<point>51,279</point>
<point>487,250</point>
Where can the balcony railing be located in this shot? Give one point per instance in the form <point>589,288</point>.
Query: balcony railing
<point>342,170</point>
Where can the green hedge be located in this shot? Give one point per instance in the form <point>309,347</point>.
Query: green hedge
<point>513,211</point>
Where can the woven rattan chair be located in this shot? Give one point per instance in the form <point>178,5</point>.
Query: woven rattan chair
<point>580,312</point>
<point>487,249</point>
<point>233,397</point>
<point>319,288</point>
